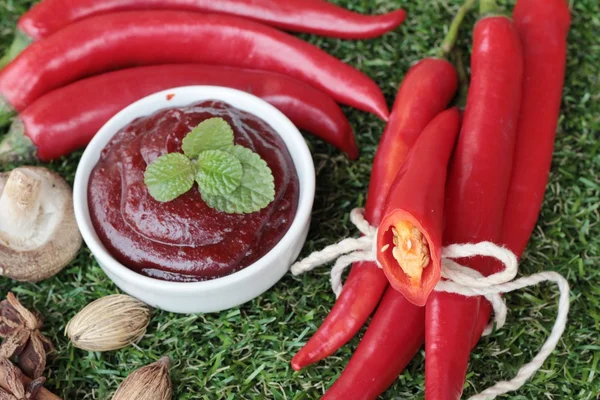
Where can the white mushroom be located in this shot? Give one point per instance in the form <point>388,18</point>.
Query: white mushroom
<point>38,232</point>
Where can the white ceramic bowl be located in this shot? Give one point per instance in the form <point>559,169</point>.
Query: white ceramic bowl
<point>217,294</point>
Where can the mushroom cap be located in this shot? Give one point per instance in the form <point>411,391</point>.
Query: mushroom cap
<point>47,256</point>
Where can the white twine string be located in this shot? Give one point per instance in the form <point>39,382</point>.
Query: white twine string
<point>460,280</point>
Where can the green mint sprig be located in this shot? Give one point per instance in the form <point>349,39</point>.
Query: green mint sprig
<point>169,176</point>
<point>257,188</point>
<point>211,134</point>
<point>230,178</point>
<point>218,173</point>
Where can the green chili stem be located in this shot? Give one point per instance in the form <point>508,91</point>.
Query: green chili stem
<point>463,79</point>
<point>487,7</point>
<point>452,35</point>
<point>20,42</point>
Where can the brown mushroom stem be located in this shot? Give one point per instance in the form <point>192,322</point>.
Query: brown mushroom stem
<point>20,204</point>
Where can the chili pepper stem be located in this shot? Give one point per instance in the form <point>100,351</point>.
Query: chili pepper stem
<point>15,145</point>
<point>452,35</point>
<point>20,42</point>
<point>7,111</point>
<point>463,79</point>
<point>488,7</point>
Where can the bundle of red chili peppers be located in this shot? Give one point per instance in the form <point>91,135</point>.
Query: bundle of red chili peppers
<point>230,43</point>
<point>436,181</point>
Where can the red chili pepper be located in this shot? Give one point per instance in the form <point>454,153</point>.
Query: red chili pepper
<point>309,16</point>
<point>119,40</point>
<point>374,367</point>
<point>409,238</point>
<point>66,119</point>
<point>477,188</point>
<point>543,26</point>
<point>426,90</point>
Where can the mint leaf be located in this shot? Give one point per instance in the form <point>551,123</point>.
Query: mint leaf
<point>210,134</point>
<point>257,188</point>
<point>169,176</point>
<point>218,172</point>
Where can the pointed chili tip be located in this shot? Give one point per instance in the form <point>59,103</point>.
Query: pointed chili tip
<point>384,114</point>
<point>374,26</point>
<point>299,361</point>
<point>378,107</point>
<point>352,148</point>
<point>353,155</point>
<point>396,17</point>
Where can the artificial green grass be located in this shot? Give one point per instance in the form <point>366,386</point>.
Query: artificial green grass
<point>244,353</point>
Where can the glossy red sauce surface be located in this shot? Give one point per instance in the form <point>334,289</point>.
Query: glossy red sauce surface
<point>185,240</point>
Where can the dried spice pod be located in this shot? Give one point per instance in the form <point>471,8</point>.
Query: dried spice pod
<point>32,359</point>
<point>109,323</point>
<point>14,316</point>
<point>10,318</point>
<point>14,386</point>
<point>14,343</point>
<point>151,382</point>
<point>20,329</point>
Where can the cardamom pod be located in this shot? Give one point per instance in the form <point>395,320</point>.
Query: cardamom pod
<point>151,382</point>
<point>109,323</point>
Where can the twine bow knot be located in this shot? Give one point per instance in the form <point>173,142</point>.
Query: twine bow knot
<point>458,279</point>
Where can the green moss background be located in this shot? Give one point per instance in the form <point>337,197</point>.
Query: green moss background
<point>244,353</point>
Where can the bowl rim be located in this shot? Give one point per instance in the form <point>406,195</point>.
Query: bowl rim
<point>292,138</point>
